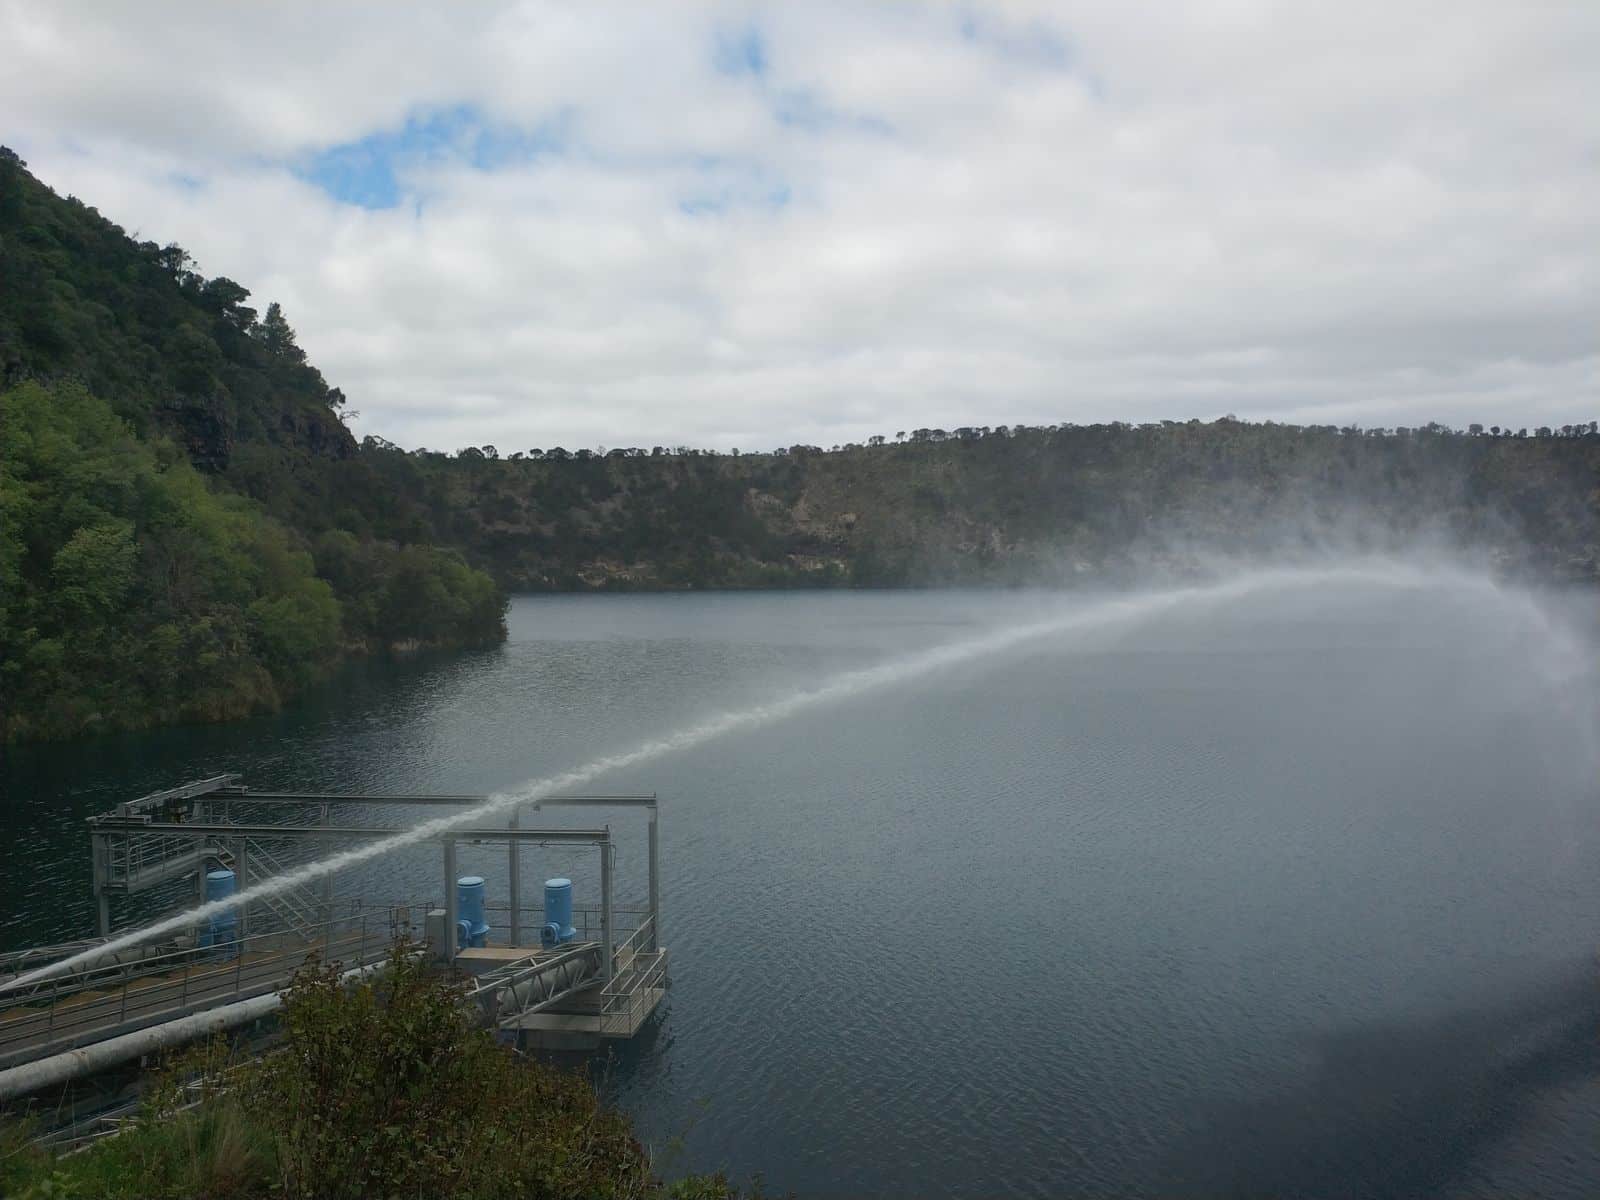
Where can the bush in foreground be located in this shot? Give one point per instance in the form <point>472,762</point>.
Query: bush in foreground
<point>387,1088</point>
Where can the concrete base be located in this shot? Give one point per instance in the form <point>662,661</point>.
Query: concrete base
<point>557,1040</point>
<point>581,1017</point>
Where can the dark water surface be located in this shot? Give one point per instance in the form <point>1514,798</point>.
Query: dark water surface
<point>1296,893</point>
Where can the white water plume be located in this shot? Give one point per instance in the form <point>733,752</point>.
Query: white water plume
<point>1100,617</point>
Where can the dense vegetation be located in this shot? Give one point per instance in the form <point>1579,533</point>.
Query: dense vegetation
<point>164,552</point>
<point>1004,505</point>
<point>386,1088</point>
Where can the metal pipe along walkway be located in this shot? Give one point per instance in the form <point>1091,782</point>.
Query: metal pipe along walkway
<point>605,983</point>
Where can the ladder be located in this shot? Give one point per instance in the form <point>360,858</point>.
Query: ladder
<point>295,907</point>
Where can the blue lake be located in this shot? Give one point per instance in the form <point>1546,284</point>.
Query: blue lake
<point>1292,891</point>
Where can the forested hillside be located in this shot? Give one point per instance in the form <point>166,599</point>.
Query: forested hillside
<point>1005,505</point>
<point>165,551</point>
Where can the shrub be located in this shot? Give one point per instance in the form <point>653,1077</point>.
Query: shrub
<point>389,1088</point>
<point>385,1088</point>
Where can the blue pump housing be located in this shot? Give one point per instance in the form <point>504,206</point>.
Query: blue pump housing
<point>471,929</point>
<point>557,913</point>
<point>221,929</point>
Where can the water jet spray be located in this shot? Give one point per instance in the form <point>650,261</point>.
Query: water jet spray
<point>1100,617</point>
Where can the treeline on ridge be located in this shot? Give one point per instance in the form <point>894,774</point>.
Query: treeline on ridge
<point>1009,505</point>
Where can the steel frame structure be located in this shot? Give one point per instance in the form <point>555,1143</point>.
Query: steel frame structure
<point>179,830</point>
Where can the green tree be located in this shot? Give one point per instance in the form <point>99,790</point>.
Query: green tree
<point>278,337</point>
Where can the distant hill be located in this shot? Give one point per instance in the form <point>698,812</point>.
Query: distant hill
<point>167,551</point>
<point>1019,505</point>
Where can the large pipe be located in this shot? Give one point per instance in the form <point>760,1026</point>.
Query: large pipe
<point>75,1064</point>
<point>547,982</point>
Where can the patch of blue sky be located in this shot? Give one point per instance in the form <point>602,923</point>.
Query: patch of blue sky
<point>740,52</point>
<point>743,52</point>
<point>801,109</point>
<point>729,186</point>
<point>720,203</point>
<point>704,206</point>
<point>1032,44</point>
<point>367,172</point>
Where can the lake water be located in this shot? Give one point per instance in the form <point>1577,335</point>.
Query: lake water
<point>1292,889</point>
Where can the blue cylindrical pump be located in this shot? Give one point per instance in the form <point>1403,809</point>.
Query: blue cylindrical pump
<point>473,930</point>
<point>220,930</point>
<point>557,913</point>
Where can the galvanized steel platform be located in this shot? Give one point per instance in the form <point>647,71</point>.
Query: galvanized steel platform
<point>605,985</point>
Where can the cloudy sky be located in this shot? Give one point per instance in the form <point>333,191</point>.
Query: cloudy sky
<point>735,225</point>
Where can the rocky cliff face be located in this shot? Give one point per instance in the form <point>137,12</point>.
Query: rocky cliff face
<point>317,431</point>
<point>203,427</point>
<point>1026,506</point>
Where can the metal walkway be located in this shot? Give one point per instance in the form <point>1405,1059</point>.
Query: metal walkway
<point>108,998</point>
<point>604,984</point>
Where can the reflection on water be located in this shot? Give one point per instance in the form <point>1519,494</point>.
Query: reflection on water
<point>1280,897</point>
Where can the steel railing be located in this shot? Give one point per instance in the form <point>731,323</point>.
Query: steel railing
<point>129,856</point>
<point>103,999</point>
<point>626,1000</point>
<point>15,963</point>
<point>586,920</point>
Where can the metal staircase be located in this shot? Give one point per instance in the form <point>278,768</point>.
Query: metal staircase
<point>296,907</point>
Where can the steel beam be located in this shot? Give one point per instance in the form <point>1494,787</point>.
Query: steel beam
<point>606,940</point>
<point>450,915</point>
<point>514,881</point>
<point>599,801</point>
<point>301,832</point>
<point>240,795</point>
<point>200,787</point>
<point>655,883</point>
<point>241,880</point>
<point>100,853</point>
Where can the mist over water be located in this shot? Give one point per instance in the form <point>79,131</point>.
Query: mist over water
<point>1283,883</point>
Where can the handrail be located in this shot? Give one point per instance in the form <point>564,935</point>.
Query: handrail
<point>98,974</point>
<point>192,977</point>
<point>131,854</point>
<point>632,941</point>
<point>15,962</point>
<point>632,982</point>
<point>621,1007</point>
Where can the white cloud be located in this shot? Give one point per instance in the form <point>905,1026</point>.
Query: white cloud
<point>909,216</point>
